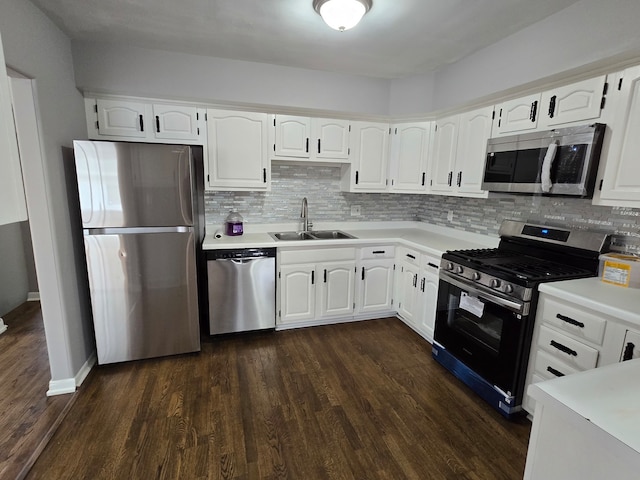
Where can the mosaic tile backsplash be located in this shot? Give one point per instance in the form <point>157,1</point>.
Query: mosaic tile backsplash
<point>321,185</point>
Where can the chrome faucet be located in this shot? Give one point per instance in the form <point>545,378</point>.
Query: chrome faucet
<point>304,215</point>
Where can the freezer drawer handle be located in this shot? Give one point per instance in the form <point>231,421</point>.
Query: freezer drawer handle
<point>570,320</point>
<point>563,348</point>
<point>557,373</point>
<point>628,352</point>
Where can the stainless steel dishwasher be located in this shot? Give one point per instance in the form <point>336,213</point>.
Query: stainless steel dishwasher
<point>242,289</point>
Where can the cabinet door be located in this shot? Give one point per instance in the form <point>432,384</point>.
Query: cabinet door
<point>297,293</point>
<point>407,292</point>
<point>428,297</point>
<point>336,289</point>
<point>519,115</point>
<point>331,138</point>
<point>409,157</point>
<point>122,119</point>
<point>475,130</point>
<point>292,136</point>
<point>445,143</point>
<point>174,122</point>
<point>631,348</point>
<point>12,201</point>
<point>375,286</point>
<point>237,147</point>
<point>621,178</point>
<point>369,156</point>
<point>577,102</point>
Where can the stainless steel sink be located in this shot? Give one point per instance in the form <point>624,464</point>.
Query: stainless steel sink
<point>319,235</point>
<point>330,234</point>
<point>291,236</point>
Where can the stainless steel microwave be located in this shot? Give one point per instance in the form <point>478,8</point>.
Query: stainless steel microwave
<point>552,162</point>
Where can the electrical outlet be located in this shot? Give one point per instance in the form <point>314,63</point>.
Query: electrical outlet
<point>356,211</point>
<point>450,215</point>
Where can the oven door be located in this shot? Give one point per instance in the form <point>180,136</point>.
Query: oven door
<point>484,331</point>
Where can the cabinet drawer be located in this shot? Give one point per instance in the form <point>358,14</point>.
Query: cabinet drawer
<point>574,353</point>
<point>409,256</point>
<point>547,366</point>
<point>430,263</point>
<point>579,323</point>
<point>384,251</point>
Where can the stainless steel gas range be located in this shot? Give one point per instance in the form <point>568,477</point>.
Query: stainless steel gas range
<point>487,301</point>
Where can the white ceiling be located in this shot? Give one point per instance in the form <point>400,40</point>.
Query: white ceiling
<point>395,39</point>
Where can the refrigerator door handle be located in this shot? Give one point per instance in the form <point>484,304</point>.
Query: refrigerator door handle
<point>137,230</point>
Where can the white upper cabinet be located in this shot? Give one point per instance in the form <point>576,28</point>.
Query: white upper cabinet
<point>517,116</point>
<point>237,151</point>
<point>410,144</point>
<point>303,138</point>
<point>118,118</point>
<point>13,207</point>
<point>619,171</point>
<point>292,136</point>
<point>459,151</point>
<point>445,144</point>
<point>573,104</point>
<point>578,102</point>
<point>175,122</point>
<point>368,169</point>
<point>144,121</point>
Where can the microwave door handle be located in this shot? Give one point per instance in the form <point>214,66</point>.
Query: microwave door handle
<point>545,174</point>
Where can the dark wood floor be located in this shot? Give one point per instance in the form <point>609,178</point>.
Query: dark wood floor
<point>28,417</point>
<point>353,401</point>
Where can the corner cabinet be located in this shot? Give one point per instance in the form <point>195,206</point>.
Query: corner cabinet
<point>313,139</point>
<point>237,151</point>
<point>410,145</point>
<point>367,171</point>
<point>458,155</point>
<point>144,121</point>
<point>13,207</point>
<point>620,175</point>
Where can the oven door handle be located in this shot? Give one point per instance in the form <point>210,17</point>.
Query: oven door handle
<point>503,302</point>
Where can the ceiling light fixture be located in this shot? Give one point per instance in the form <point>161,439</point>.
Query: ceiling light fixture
<point>342,14</point>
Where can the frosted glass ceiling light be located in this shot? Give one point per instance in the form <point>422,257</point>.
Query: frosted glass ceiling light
<point>342,14</point>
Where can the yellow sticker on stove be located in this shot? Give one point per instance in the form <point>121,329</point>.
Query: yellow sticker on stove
<point>616,273</point>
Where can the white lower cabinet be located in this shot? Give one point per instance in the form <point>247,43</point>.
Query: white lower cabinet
<point>316,285</point>
<point>374,279</point>
<point>416,290</point>
<point>428,293</point>
<point>570,338</point>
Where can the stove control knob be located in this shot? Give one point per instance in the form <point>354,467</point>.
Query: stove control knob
<point>459,269</point>
<point>495,283</point>
<point>449,266</point>
<point>508,288</point>
<point>475,276</point>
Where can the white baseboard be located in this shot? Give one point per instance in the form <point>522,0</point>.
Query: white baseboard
<point>69,385</point>
<point>3,326</point>
<point>33,297</point>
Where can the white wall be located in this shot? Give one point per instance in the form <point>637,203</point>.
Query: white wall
<point>586,32</point>
<point>36,48</point>
<point>13,268</point>
<point>412,95</point>
<point>145,72</point>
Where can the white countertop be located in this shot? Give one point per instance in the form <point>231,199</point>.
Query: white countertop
<point>608,397</point>
<point>428,238</point>
<point>620,302</point>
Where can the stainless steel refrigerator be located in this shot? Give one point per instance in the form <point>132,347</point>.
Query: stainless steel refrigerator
<point>140,220</point>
